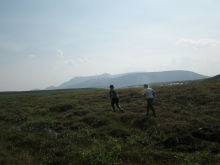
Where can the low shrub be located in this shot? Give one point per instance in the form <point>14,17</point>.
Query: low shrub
<point>144,122</point>
<point>202,158</point>
<point>119,133</point>
<point>94,121</point>
<point>2,116</point>
<point>38,123</point>
<point>61,108</point>
<point>148,139</point>
<point>101,154</point>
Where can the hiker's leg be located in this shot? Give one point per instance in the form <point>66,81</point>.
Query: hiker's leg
<point>151,106</point>
<point>112,104</point>
<point>116,101</point>
<point>148,107</point>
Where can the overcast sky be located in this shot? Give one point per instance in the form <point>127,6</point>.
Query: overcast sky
<point>48,42</point>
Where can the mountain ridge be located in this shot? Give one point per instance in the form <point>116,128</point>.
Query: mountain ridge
<point>80,79</point>
<point>128,79</point>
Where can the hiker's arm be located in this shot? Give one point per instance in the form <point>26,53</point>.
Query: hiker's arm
<point>143,94</point>
<point>111,95</point>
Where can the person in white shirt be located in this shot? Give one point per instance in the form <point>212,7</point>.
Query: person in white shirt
<point>149,93</point>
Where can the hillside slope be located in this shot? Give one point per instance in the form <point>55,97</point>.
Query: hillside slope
<point>80,128</point>
<point>215,78</point>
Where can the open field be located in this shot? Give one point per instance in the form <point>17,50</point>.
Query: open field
<point>45,92</point>
<point>80,128</point>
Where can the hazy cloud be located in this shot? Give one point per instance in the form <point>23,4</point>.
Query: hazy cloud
<point>85,59</point>
<point>70,63</point>
<point>60,53</point>
<point>32,56</point>
<point>198,43</point>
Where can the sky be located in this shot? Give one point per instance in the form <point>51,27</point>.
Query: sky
<point>48,42</point>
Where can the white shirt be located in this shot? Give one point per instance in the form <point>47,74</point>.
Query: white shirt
<point>148,92</point>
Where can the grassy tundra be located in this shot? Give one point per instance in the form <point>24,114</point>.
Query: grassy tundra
<point>79,127</point>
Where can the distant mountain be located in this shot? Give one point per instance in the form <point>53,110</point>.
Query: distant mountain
<point>155,77</point>
<point>50,88</point>
<point>78,80</point>
<point>97,83</point>
<point>142,78</point>
<point>36,89</point>
<point>129,79</point>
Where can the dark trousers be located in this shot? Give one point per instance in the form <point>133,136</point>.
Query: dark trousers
<point>115,101</point>
<point>150,106</point>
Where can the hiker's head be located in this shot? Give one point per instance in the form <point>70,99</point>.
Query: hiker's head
<point>145,86</point>
<point>111,86</point>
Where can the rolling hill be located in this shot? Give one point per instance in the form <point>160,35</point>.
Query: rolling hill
<point>215,78</point>
<point>129,79</point>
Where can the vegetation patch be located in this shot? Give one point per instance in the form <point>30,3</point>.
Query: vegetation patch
<point>61,108</point>
<point>80,128</point>
<point>119,133</point>
<point>126,118</point>
<point>144,122</point>
<point>80,112</point>
<point>94,121</point>
<point>106,154</point>
<point>38,123</point>
<point>2,116</point>
<point>202,157</point>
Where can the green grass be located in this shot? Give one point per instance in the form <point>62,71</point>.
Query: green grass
<point>80,128</point>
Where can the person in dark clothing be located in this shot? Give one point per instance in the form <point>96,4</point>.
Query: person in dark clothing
<point>149,93</point>
<point>114,98</point>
